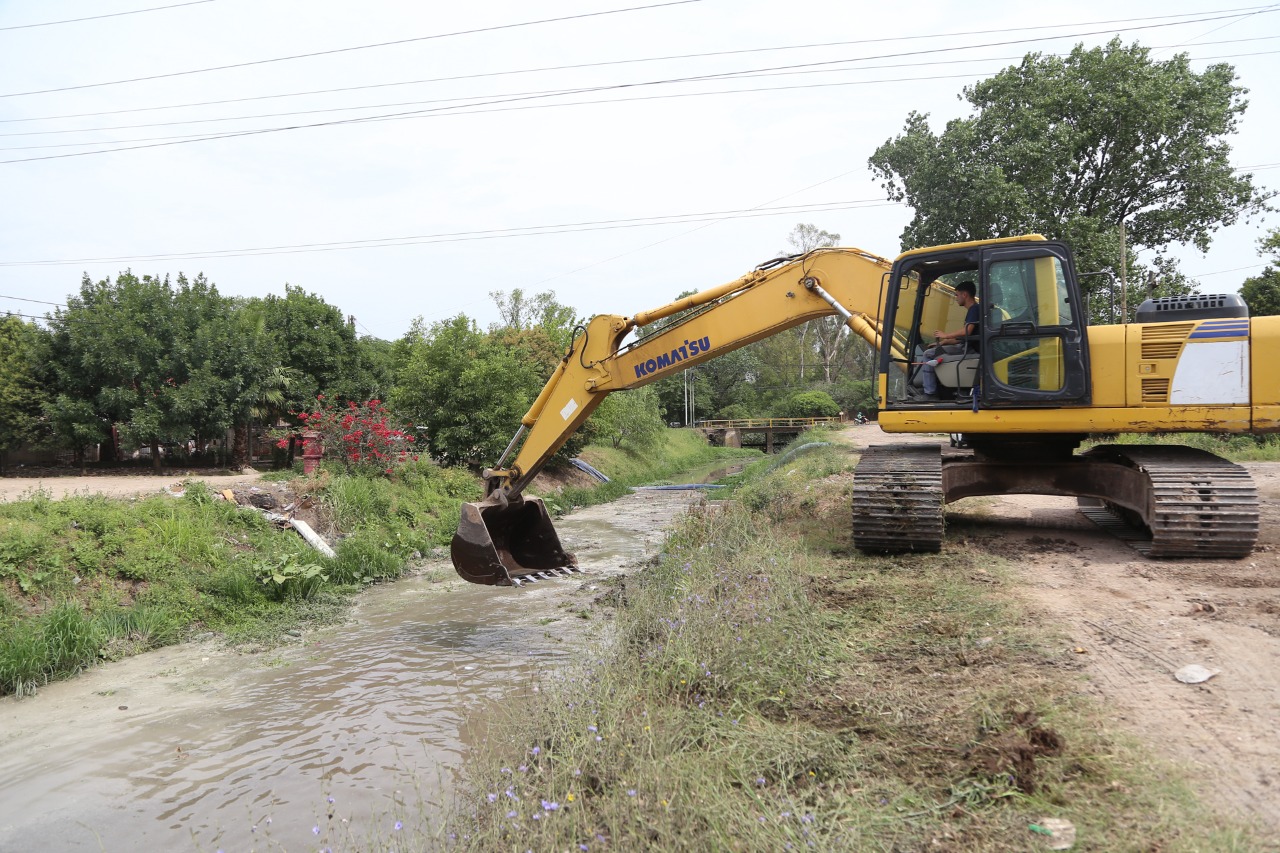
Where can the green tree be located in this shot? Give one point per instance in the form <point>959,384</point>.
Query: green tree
<point>160,363</point>
<point>313,339</point>
<point>110,349</point>
<point>810,404</point>
<point>522,313</point>
<point>628,416</point>
<point>21,395</point>
<point>1073,147</point>
<point>1262,292</point>
<point>468,390</point>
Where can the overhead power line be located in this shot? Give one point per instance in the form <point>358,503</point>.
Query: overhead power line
<point>37,301</point>
<point>486,105</point>
<point>477,107</point>
<point>100,17</point>
<point>464,236</point>
<point>337,50</point>
<point>1193,15</point>
<point>543,69</point>
<point>776,71</point>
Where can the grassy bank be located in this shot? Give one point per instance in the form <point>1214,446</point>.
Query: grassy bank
<point>90,579</point>
<point>765,688</point>
<point>681,451</point>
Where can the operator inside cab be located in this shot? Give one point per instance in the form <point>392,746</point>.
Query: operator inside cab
<point>951,347</point>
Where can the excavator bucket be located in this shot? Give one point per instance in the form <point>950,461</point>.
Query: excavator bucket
<point>507,545</point>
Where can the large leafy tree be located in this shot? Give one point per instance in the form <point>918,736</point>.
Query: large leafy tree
<point>314,340</point>
<point>540,312</point>
<point>1262,292</point>
<point>466,390</point>
<point>158,362</point>
<point>21,394</point>
<point>110,358</point>
<point>629,417</point>
<point>1073,147</point>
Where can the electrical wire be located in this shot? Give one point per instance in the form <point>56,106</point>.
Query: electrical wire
<point>135,144</point>
<point>466,236</point>
<point>100,17</point>
<point>725,75</point>
<point>580,66</point>
<point>458,110</point>
<point>436,36</point>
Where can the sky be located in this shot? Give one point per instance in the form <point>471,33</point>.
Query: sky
<point>404,160</point>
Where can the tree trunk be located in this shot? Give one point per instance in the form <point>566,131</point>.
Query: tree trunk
<point>240,446</point>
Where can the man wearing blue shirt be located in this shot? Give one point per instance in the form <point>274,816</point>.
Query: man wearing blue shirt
<point>952,343</point>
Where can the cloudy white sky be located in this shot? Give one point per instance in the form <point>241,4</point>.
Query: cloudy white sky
<point>404,159</point>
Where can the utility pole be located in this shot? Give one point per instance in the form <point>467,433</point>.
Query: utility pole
<point>1124,283</point>
<point>685,377</point>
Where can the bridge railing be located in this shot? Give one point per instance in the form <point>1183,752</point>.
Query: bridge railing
<point>766,423</point>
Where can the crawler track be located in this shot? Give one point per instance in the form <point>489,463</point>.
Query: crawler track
<point>897,499</point>
<point>1198,505</point>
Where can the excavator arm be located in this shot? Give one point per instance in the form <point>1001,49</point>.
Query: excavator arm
<point>507,537</point>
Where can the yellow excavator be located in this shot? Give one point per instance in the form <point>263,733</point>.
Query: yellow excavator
<point>1024,387</point>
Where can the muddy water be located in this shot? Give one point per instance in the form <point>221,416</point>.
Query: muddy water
<point>321,744</point>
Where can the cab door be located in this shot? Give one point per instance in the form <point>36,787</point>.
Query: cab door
<point>1034,348</point>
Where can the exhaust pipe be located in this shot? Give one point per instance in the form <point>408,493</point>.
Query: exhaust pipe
<point>504,543</point>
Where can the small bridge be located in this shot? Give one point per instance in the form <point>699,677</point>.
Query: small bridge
<point>730,432</point>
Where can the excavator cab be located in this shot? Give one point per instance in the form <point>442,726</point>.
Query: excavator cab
<point>1031,350</point>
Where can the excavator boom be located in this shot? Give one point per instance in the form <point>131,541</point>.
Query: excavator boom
<point>507,538</point>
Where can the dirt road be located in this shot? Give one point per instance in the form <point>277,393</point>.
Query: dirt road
<point>117,485</point>
<point>1131,622</point>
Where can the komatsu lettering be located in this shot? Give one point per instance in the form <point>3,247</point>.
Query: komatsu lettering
<point>687,350</point>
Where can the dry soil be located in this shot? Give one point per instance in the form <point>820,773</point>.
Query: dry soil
<point>1132,622</point>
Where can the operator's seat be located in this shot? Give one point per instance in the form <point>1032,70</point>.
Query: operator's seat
<point>959,370</point>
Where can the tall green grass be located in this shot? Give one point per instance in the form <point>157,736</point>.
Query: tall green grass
<point>685,709</point>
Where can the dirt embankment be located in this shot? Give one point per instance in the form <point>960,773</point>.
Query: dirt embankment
<point>58,484</point>
<point>1132,622</point>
